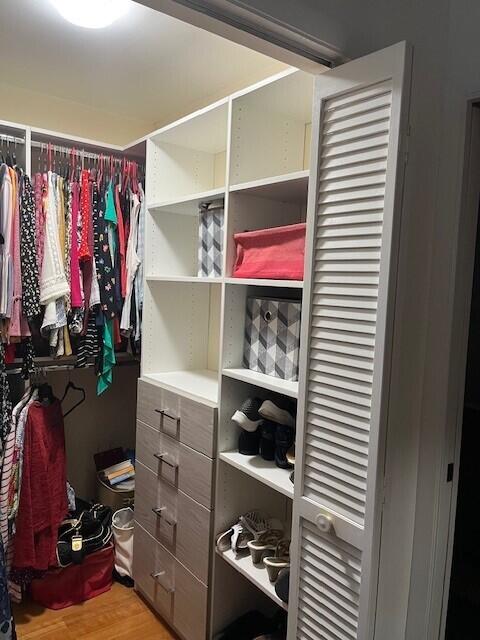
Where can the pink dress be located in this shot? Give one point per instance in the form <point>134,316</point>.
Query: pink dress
<point>75,288</point>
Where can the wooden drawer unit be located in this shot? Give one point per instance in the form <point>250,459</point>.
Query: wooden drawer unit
<point>179,523</point>
<point>173,591</point>
<point>149,404</point>
<point>174,462</point>
<point>190,422</point>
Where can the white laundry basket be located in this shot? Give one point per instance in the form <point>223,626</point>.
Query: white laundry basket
<point>122,526</point>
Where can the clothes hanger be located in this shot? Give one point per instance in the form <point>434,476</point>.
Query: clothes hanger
<point>73,386</point>
<point>8,159</point>
<point>45,391</point>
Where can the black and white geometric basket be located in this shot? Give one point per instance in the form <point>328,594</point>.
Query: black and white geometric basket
<point>210,239</point>
<point>272,337</point>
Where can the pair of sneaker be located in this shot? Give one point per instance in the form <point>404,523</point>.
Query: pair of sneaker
<point>268,429</point>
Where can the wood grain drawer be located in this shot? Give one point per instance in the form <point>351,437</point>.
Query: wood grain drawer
<point>174,462</point>
<point>181,418</point>
<point>172,590</point>
<point>180,524</point>
<point>191,605</point>
<point>149,403</point>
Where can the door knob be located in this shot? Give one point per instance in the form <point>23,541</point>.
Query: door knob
<point>324,522</point>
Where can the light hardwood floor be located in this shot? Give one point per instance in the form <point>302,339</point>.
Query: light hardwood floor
<point>117,615</point>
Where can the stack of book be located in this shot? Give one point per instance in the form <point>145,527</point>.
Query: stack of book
<point>119,475</point>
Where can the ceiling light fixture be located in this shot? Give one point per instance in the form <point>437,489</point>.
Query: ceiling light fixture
<point>92,14</point>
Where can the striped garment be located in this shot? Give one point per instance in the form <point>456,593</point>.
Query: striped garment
<point>6,476</point>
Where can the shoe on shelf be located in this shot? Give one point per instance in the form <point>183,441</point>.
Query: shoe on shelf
<point>249,442</point>
<point>252,624</point>
<point>284,440</point>
<point>265,544</point>
<point>282,585</point>
<point>267,440</point>
<point>247,416</point>
<point>291,455</point>
<point>279,561</point>
<point>248,527</point>
<point>281,411</point>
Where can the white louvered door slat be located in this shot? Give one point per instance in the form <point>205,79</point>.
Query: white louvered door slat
<point>352,246</point>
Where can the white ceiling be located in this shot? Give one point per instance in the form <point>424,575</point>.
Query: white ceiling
<point>147,66</point>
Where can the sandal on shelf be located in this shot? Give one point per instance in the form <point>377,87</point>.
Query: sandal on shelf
<point>281,560</point>
<point>264,545</point>
<point>248,527</point>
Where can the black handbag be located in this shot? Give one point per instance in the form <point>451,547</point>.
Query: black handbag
<point>79,537</point>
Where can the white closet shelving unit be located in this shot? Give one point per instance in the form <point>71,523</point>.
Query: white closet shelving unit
<point>251,149</point>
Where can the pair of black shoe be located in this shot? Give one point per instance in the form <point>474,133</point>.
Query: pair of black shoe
<point>271,440</point>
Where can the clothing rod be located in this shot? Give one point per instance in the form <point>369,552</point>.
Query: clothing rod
<point>81,153</point>
<point>53,368</point>
<point>5,137</point>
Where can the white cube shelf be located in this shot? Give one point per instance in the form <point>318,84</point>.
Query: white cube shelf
<point>271,129</point>
<point>264,204</point>
<point>252,150</point>
<point>181,330</point>
<point>188,157</point>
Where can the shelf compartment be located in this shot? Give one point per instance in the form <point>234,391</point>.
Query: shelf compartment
<point>201,385</point>
<point>173,241</point>
<point>191,279</point>
<point>289,187</point>
<point>262,470</point>
<point>275,120</point>
<point>181,326</point>
<point>278,385</point>
<point>261,282</point>
<point>235,306</point>
<point>187,205</point>
<point>264,205</point>
<point>188,157</point>
<point>257,575</point>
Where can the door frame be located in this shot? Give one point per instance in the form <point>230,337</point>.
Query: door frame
<point>254,29</point>
<point>463,280</point>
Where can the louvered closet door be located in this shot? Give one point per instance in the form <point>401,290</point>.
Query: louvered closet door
<point>354,203</point>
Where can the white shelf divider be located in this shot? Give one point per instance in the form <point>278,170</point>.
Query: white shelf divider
<point>262,470</point>
<point>256,574</point>
<point>186,205</point>
<point>289,187</point>
<point>285,387</point>
<point>200,385</point>
<point>264,282</point>
<point>189,279</point>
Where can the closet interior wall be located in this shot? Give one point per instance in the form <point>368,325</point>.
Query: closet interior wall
<point>101,422</point>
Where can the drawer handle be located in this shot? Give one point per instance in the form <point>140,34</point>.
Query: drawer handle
<point>161,458</point>
<point>156,577</point>
<point>164,414</point>
<point>158,511</point>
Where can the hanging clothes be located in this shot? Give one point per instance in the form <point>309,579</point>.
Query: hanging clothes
<point>6,224</point>
<point>28,257</point>
<point>53,283</point>
<point>43,499</point>
<point>70,244</point>
<point>7,624</point>
<point>5,403</point>
<point>133,263</point>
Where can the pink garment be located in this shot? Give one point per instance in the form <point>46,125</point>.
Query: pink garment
<point>40,190</point>
<point>75,287</point>
<point>276,254</point>
<point>18,324</point>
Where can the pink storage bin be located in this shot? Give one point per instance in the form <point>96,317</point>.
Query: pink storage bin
<point>276,254</point>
